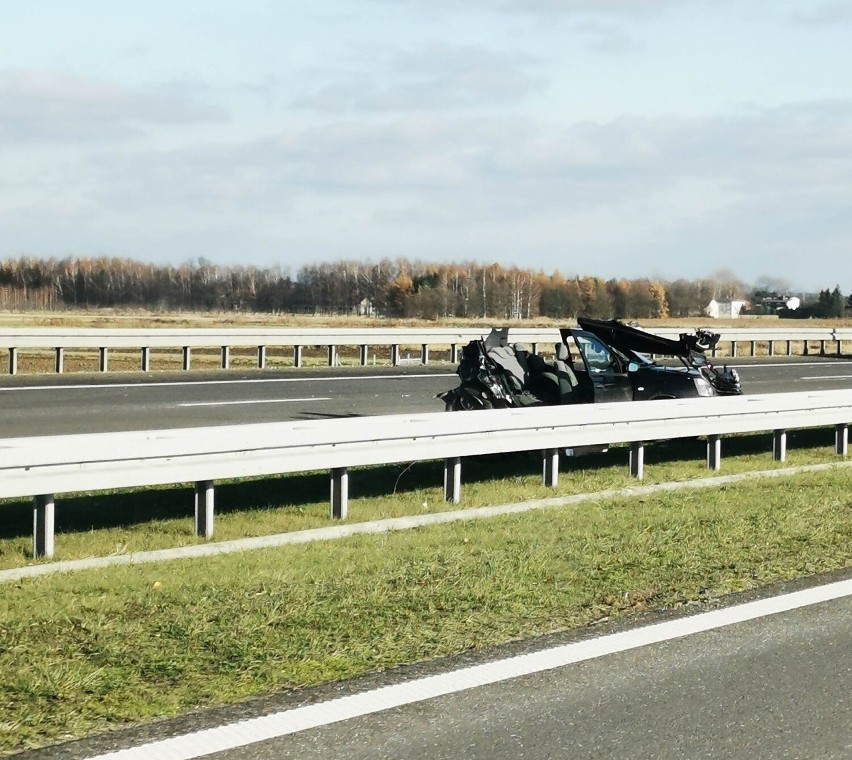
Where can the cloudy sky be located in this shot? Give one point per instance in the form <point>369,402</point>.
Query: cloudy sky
<point>664,138</point>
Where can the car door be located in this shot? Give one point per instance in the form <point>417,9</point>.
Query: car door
<point>606,370</point>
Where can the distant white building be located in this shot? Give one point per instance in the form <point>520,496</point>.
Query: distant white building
<point>724,309</point>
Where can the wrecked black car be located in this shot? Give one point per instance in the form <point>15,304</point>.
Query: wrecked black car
<point>600,361</point>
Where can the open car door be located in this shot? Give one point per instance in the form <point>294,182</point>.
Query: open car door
<point>605,369</point>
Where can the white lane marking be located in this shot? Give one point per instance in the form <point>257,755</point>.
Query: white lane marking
<point>254,401</point>
<point>827,377</point>
<point>189,383</point>
<point>253,730</point>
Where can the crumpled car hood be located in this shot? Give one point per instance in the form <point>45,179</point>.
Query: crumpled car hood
<point>627,338</point>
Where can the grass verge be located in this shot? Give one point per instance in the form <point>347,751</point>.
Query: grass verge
<point>99,649</point>
<point>121,522</point>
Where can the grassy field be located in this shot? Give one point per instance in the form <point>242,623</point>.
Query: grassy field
<point>94,650</point>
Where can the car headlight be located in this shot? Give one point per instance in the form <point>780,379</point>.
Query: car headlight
<point>703,388</point>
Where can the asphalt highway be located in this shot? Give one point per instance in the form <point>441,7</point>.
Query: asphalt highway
<point>51,405</point>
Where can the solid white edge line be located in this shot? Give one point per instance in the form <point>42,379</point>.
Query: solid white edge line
<point>189,382</point>
<point>253,730</point>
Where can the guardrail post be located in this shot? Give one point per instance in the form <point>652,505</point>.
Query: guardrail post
<point>789,348</point>
<point>363,355</point>
<point>779,445</point>
<point>186,359</point>
<point>550,468</point>
<point>806,350</point>
<point>103,359</point>
<point>637,459</point>
<point>772,348</point>
<point>395,355</point>
<point>13,361</point>
<point>424,353</point>
<point>841,440</point>
<point>733,349</point>
<point>840,348</point>
<point>753,347</point>
<point>226,357</point>
<point>261,357</point>
<point>59,360</point>
<point>146,358</point>
<point>43,521</point>
<point>297,356</point>
<point>332,356</point>
<point>204,494</point>
<point>339,493</point>
<point>452,480</point>
<point>714,452</point>
<point>454,353</point>
<point>822,348</point>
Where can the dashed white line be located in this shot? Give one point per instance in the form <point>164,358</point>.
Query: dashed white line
<point>251,731</point>
<point>254,401</point>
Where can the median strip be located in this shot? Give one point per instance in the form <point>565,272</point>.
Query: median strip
<point>391,524</point>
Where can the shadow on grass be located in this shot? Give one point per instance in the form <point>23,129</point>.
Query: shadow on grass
<point>119,509</point>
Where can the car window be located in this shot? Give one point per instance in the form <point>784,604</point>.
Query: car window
<point>597,355</point>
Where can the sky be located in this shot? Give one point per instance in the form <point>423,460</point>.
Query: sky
<point>610,138</point>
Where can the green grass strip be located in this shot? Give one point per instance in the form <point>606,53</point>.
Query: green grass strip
<point>100,649</point>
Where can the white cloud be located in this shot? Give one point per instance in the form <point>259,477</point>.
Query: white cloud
<point>50,105</point>
<point>438,77</point>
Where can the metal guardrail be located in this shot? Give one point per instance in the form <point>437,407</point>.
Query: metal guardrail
<point>43,466</point>
<point>58,340</point>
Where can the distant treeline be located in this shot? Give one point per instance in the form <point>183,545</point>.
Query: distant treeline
<point>399,288</point>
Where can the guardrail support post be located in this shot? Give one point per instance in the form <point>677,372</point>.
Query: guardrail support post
<point>424,353</point>
<point>806,348</point>
<point>637,459</point>
<point>146,359</point>
<point>59,360</point>
<point>339,493</point>
<point>733,349</point>
<point>43,520</point>
<point>261,357</point>
<point>297,356</point>
<point>550,468</point>
<point>779,445</point>
<point>772,348</point>
<point>204,493</point>
<point>13,361</point>
<point>103,359</point>
<point>753,347</point>
<point>822,348</point>
<point>226,357</point>
<point>332,356</point>
<point>714,452</point>
<point>840,348</point>
<point>454,353</point>
<point>452,480</point>
<point>187,358</point>
<point>841,440</point>
<point>395,355</point>
<point>363,355</point>
<point>789,348</point>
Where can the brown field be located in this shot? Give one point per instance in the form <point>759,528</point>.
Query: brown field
<point>85,361</point>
